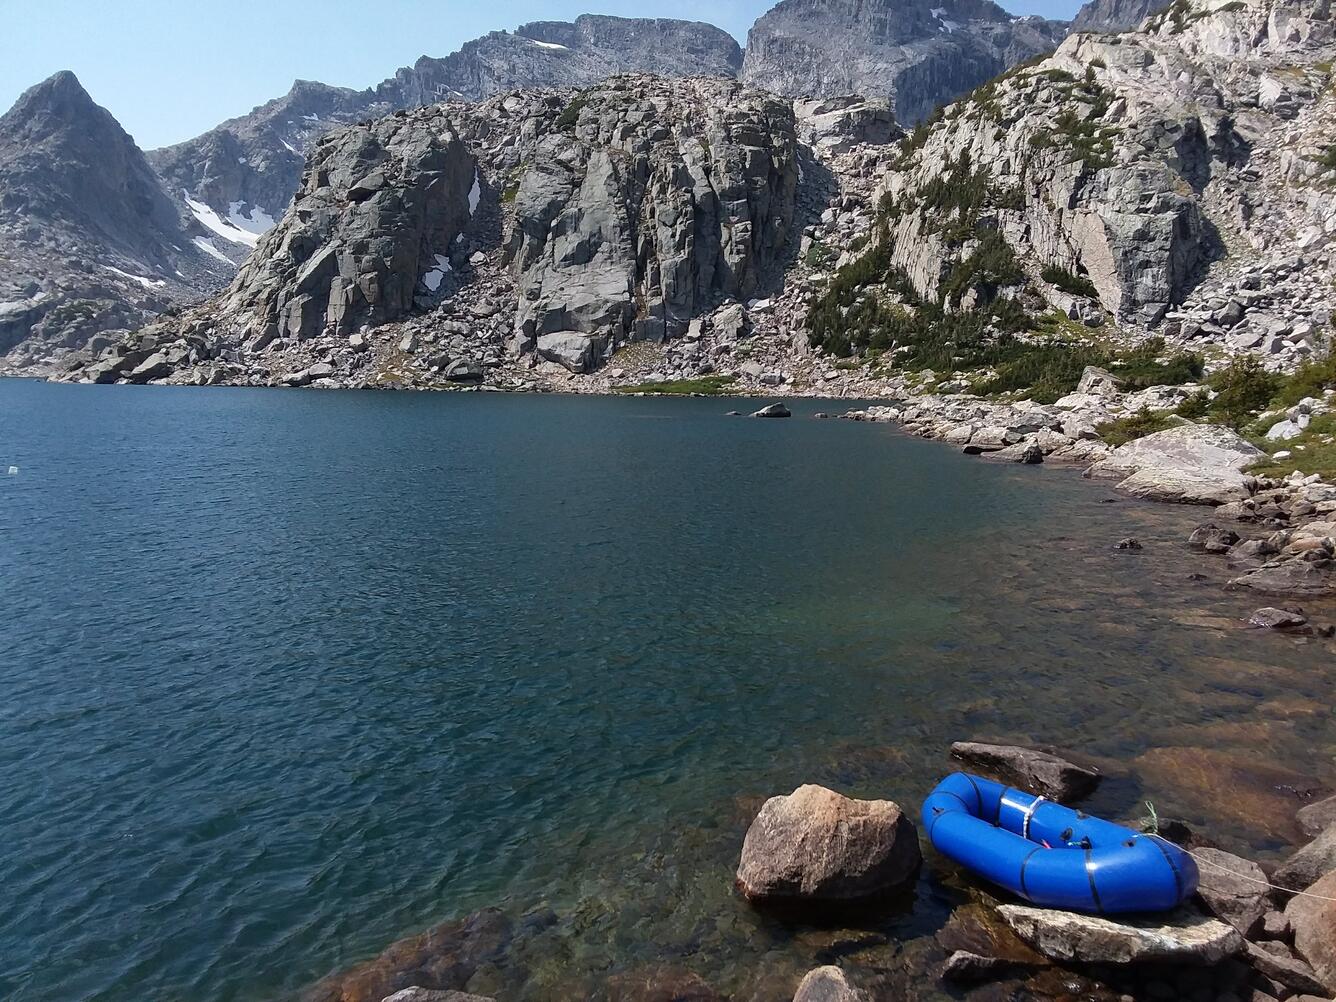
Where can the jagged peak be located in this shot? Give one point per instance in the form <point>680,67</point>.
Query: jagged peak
<point>59,93</point>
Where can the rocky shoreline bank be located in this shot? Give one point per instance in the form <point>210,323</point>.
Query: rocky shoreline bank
<point>817,860</point>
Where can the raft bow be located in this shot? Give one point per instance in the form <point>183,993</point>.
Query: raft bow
<point>1051,855</point>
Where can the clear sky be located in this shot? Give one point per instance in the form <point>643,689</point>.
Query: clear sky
<point>171,69</point>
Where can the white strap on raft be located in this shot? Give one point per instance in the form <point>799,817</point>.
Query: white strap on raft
<point>1029,813</point>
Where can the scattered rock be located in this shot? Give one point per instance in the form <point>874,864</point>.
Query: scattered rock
<point>1233,889</point>
<point>433,995</point>
<point>817,846</point>
<point>1130,543</point>
<point>1211,538</point>
<point>1282,967</point>
<point>773,411</point>
<point>1037,771</point>
<point>1182,937</point>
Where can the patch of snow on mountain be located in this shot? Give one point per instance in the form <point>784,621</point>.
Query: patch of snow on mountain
<point>475,193</point>
<point>550,45</point>
<point>432,279</point>
<point>228,231</point>
<point>208,248</point>
<point>147,283</point>
<point>256,221</point>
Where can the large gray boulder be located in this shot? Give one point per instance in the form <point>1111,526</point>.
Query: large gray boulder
<point>1313,918</point>
<point>1183,937</point>
<point>827,984</point>
<point>1310,864</point>
<point>576,351</point>
<point>818,846</point>
<point>1192,464</point>
<point>1233,889</point>
<point>1036,770</point>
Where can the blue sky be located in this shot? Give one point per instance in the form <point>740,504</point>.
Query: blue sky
<point>171,69</point>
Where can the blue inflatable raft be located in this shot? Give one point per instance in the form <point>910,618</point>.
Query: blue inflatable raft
<point>1052,855</point>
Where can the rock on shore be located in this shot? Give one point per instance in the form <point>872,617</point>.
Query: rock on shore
<point>1035,770</point>
<point>1193,464</point>
<point>818,846</point>
<point>1185,936</point>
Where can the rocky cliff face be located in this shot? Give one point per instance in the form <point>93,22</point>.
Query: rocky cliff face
<point>1115,15</point>
<point>656,203</point>
<point>1172,177</point>
<point>239,177</point>
<point>919,54</point>
<point>89,241</point>
<point>542,228</point>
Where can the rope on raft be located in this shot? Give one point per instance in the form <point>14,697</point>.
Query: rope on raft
<point>1244,876</point>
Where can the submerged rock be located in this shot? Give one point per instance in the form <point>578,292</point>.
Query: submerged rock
<point>434,995</point>
<point>827,984</point>
<point>1184,936</point>
<point>817,846</point>
<point>1277,619</point>
<point>1035,770</point>
<point>1317,818</point>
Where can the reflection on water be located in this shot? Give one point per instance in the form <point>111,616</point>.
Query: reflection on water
<point>295,675</point>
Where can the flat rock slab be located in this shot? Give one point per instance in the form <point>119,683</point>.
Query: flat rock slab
<point>1191,464</point>
<point>1038,771</point>
<point>1185,936</point>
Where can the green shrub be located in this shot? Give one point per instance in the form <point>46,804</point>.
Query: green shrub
<point>1141,368</point>
<point>1243,389</point>
<point>1076,285</point>
<point>1196,406</point>
<point>567,120</point>
<point>1144,422</point>
<point>1309,380</point>
<point>991,266</point>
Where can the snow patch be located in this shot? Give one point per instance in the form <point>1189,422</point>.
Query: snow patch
<point>290,147</point>
<point>432,279</point>
<point>257,221</point>
<point>147,283</point>
<point>239,227</point>
<point>475,193</point>
<point>207,247</point>
<point>550,45</point>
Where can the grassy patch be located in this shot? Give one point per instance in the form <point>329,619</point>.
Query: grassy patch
<point>1312,452</point>
<point>704,386</point>
<point>1139,425</point>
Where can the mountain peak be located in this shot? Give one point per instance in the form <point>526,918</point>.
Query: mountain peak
<point>60,97</point>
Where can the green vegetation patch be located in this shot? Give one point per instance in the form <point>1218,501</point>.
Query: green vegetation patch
<point>570,115</point>
<point>1070,282</point>
<point>1144,422</point>
<point>704,386</point>
<point>1314,451</point>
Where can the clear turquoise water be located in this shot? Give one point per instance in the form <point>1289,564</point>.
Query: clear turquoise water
<point>289,675</point>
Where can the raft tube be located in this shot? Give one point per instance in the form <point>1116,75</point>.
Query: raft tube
<point>1051,855</point>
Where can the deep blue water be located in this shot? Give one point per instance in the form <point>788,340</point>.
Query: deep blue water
<point>290,674</point>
